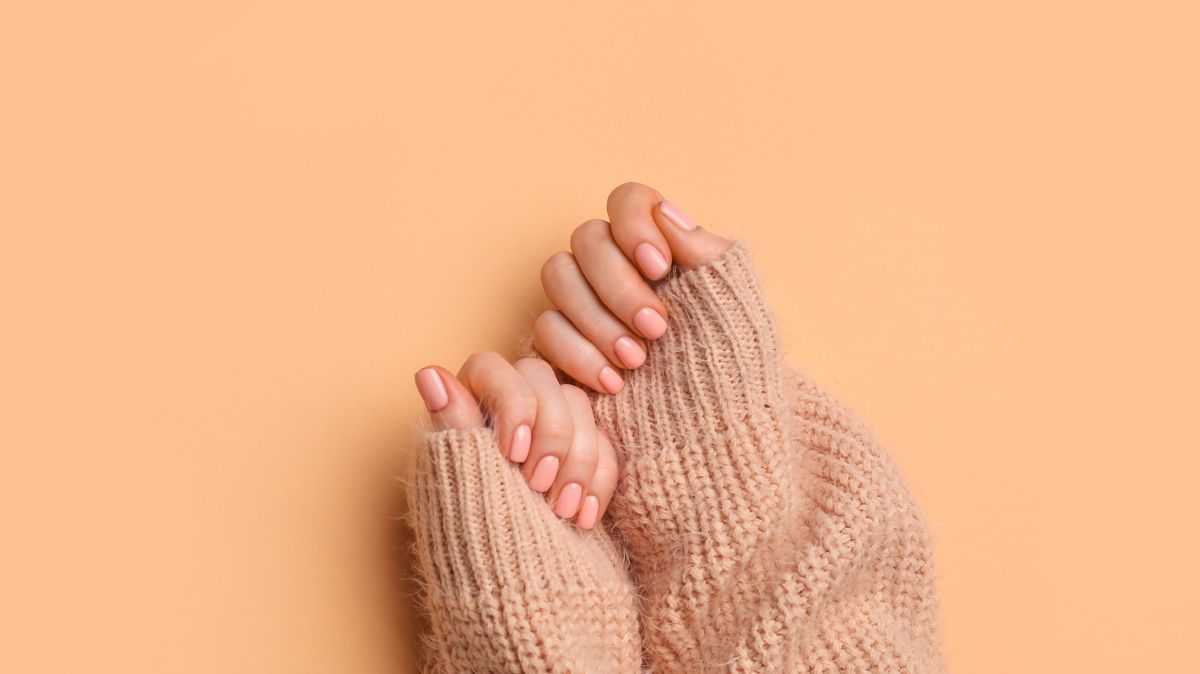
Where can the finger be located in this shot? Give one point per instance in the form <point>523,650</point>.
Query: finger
<point>618,285</point>
<point>604,484</point>
<point>634,229</point>
<point>575,474</point>
<point>506,395</point>
<point>554,428</point>
<point>568,289</point>
<point>691,245</point>
<point>450,404</point>
<point>563,345</point>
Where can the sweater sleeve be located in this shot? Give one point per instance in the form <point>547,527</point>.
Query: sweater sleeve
<point>766,528</point>
<point>505,585</point>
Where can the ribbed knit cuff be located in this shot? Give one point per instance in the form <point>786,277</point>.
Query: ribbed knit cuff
<point>506,584</point>
<point>701,426</point>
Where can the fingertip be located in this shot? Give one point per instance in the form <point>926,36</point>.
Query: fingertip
<point>629,206</point>
<point>567,502</point>
<point>431,388</point>
<point>544,473</point>
<point>610,380</point>
<point>651,261</point>
<point>676,215</point>
<point>519,448</point>
<point>451,405</point>
<point>691,245</point>
<point>650,323</point>
<point>589,512</point>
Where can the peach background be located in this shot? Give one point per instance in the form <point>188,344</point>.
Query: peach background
<point>232,230</point>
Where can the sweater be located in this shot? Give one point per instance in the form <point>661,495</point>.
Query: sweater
<point>757,526</point>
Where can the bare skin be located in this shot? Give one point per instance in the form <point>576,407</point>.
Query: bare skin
<point>575,463</point>
<point>605,310</point>
<point>604,306</point>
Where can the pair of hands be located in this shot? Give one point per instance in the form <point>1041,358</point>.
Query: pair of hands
<point>605,311</point>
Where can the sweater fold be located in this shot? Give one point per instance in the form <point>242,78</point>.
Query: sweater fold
<point>766,529</point>
<point>506,585</point>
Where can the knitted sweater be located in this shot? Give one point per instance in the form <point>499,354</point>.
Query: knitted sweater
<point>757,527</point>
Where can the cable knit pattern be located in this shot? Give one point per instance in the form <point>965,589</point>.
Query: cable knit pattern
<point>505,584</point>
<point>767,531</point>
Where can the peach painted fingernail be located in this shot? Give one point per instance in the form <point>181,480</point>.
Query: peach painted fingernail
<point>630,354</point>
<point>649,323</point>
<point>610,380</point>
<point>568,500</point>
<point>586,518</point>
<point>544,474</point>
<point>676,215</point>
<point>432,389</point>
<point>518,451</point>
<point>652,262</point>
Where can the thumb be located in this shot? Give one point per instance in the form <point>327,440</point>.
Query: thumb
<point>691,245</point>
<point>450,403</point>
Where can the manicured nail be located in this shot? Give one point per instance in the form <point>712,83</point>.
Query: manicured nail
<point>544,474</point>
<point>518,451</point>
<point>432,389</point>
<point>567,503</point>
<point>630,354</point>
<point>676,215</point>
<point>650,323</point>
<point>610,380</point>
<point>652,262</point>
<point>586,519</point>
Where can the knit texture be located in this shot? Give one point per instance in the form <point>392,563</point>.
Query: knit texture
<point>507,586</point>
<point>766,530</point>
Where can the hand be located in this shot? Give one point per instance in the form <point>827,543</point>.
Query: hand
<point>543,425</point>
<point>605,308</point>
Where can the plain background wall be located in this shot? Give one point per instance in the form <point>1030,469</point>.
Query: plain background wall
<point>232,231</point>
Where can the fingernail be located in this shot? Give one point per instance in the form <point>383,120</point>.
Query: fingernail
<point>676,215</point>
<point>544,473</point>
<point>649,323</point>
<point>610,380</point>
<point>568,500</point>
<point>652,262</point>
<point>586,519</point>
<point>630,354</point>
<point>432,389</point>
<point>518,451</point>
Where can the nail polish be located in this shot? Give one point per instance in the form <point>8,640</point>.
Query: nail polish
<point>610,380</point>
<point>676,215</point>
<point>652,262</point>
<point>649,323</point>
<point>544,473</point>
<point>518,451</point>
<point>567,503</point>
<point>432,389</point>
<point>629,352</point>
<point>586,519</point>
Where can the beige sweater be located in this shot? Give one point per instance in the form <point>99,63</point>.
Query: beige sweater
<point>758,527</point>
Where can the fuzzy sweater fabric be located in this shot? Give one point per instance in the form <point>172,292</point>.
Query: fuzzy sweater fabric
<point>757,526</point>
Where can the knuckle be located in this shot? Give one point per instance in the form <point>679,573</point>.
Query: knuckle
<point>586,456</point>
<point>529,364</point>
<point>556,266</point>
<point>480,360</point>
<point>573,391</point>
<point>543,326</point>
<point>629,293</point>
<point>628,189</point>
<point>557,434</point>
<point>516,403</point>
<point>589,234</point>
